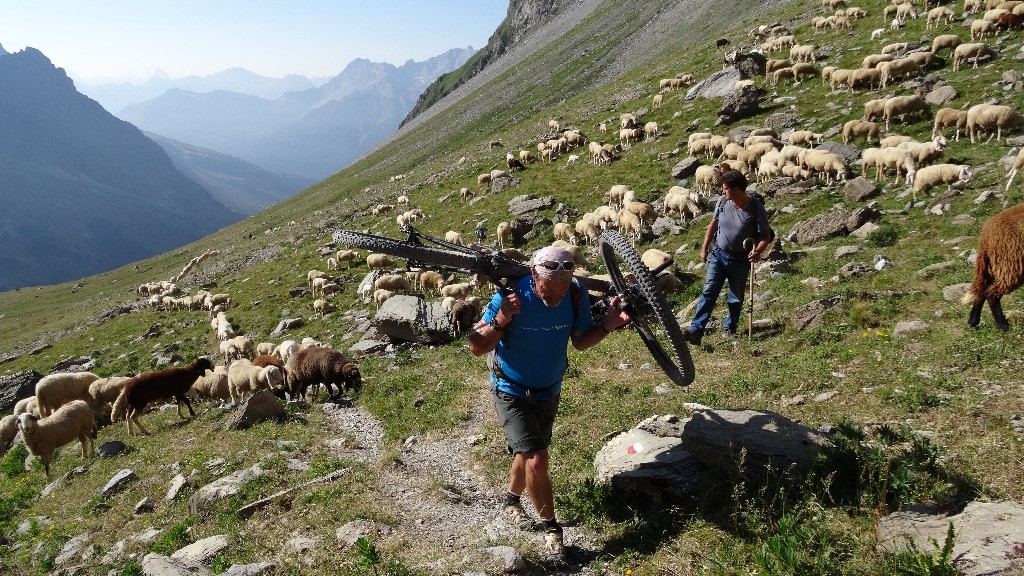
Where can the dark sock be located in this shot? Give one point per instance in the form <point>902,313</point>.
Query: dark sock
<point>552,525</point>
<point>511,499</point>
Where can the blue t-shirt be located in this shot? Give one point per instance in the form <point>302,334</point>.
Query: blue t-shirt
<point>736,224</point>
<point>532,350</point>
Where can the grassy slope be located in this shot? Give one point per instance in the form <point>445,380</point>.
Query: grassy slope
<point>961,385</point>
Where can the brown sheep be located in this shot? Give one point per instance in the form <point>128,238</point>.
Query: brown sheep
<point>154,386</point>
<point>999,269</point>
<point>317,365</point>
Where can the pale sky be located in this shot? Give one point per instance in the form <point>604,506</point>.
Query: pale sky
<point>119,39</point>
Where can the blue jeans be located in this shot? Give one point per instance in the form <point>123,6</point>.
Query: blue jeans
<point>722,266</point>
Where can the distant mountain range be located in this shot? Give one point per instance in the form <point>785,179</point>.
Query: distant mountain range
<point>83,191</point>
<point>313,132</point>
<point>115,96</point>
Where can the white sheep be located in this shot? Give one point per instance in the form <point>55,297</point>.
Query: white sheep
<point>55,390</point>
<point>8,430</point>
<point>454,237</point>
<point>379,262</point>
<point>265,348</point>
<point>874,109</point>
<point>898,68</point>
<point>213,385</point>
<point>988,117</point>
<point>650,130</point>
<point>925,153</point>
<point>935,15</point>
<point>629,225</point>
<point>563,231</point>
<point>71,421</point>
<point>936,174</point>
<point>896,48</point>
<point>459,291</point>
<point>246,379</point>
<point>1018,163</point>
<point>974,52</point>
<point>430,281</point>
<point>982,28</point>
<point>904,106</point>
<point>104,391</point>
<point>682,201</point>
<point>707,179</point>
<point>393,282</point>
<point>949,117</point>
<point>895,140</point>
<point>804,137</point>
<point>860,129</point>
<point>380,296</point>
<point>322,307</point>
<point>284,350</point>
<point>504,233</point>
<point>945,41</point>
<point>27,405</point>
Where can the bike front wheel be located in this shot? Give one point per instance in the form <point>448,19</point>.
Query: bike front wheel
<point>651,313</point>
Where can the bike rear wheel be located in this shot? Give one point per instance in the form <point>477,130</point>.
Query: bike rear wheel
<point>651,313</point>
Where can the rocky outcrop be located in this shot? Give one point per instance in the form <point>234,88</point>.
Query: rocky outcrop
<point>17,386</point>
<point>414,320</point>
<point>522,16</point>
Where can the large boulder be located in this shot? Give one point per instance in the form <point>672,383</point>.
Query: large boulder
<point>665,458</point>
<point>529,203</point>
<point>650,464</point>
<point>16,387</point>
<point>717,85</point>
<point>261,406</point>
<point>685,168</point>
<point>742,103</point>
<point>750,65</point>
<point>759,440</point>
<point>821,227</point>
<point>414,320</point>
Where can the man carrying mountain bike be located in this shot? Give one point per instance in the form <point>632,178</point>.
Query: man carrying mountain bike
<point>525,333</point>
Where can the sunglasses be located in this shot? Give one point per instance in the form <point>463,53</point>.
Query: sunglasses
<point>552,265</point>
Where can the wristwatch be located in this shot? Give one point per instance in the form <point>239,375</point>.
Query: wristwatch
<point>495,326</point>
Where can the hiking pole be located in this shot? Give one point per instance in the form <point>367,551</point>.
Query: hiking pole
<point>748,245</point>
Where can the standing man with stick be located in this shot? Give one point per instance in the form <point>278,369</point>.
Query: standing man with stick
<point>737,217</point>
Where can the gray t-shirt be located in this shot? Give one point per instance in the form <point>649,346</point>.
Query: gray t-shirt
<point>736,225</point>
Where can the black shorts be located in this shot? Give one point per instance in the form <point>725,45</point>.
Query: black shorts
<point>527,423</point>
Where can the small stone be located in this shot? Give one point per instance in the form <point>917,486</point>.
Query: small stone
<point>143,506</point>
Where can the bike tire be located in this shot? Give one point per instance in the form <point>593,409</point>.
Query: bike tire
<point>406,250</point>
<point>675,361</point>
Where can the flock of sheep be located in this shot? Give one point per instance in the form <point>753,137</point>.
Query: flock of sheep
<point>66,405</point>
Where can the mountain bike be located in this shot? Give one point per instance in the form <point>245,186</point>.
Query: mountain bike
<point>652,316</point>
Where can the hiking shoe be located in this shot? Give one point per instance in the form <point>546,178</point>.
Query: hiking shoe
<point>554,548</point>
<point>515,515</point>
<point>692,337</point>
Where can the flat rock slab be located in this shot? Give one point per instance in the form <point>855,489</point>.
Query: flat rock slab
<point>986,535</point>
<point>118,483</point>
<point>222,489</point>
<point>157,565</point>
<point>202,551</point>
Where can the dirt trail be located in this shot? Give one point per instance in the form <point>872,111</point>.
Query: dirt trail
<point>449,510</point>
